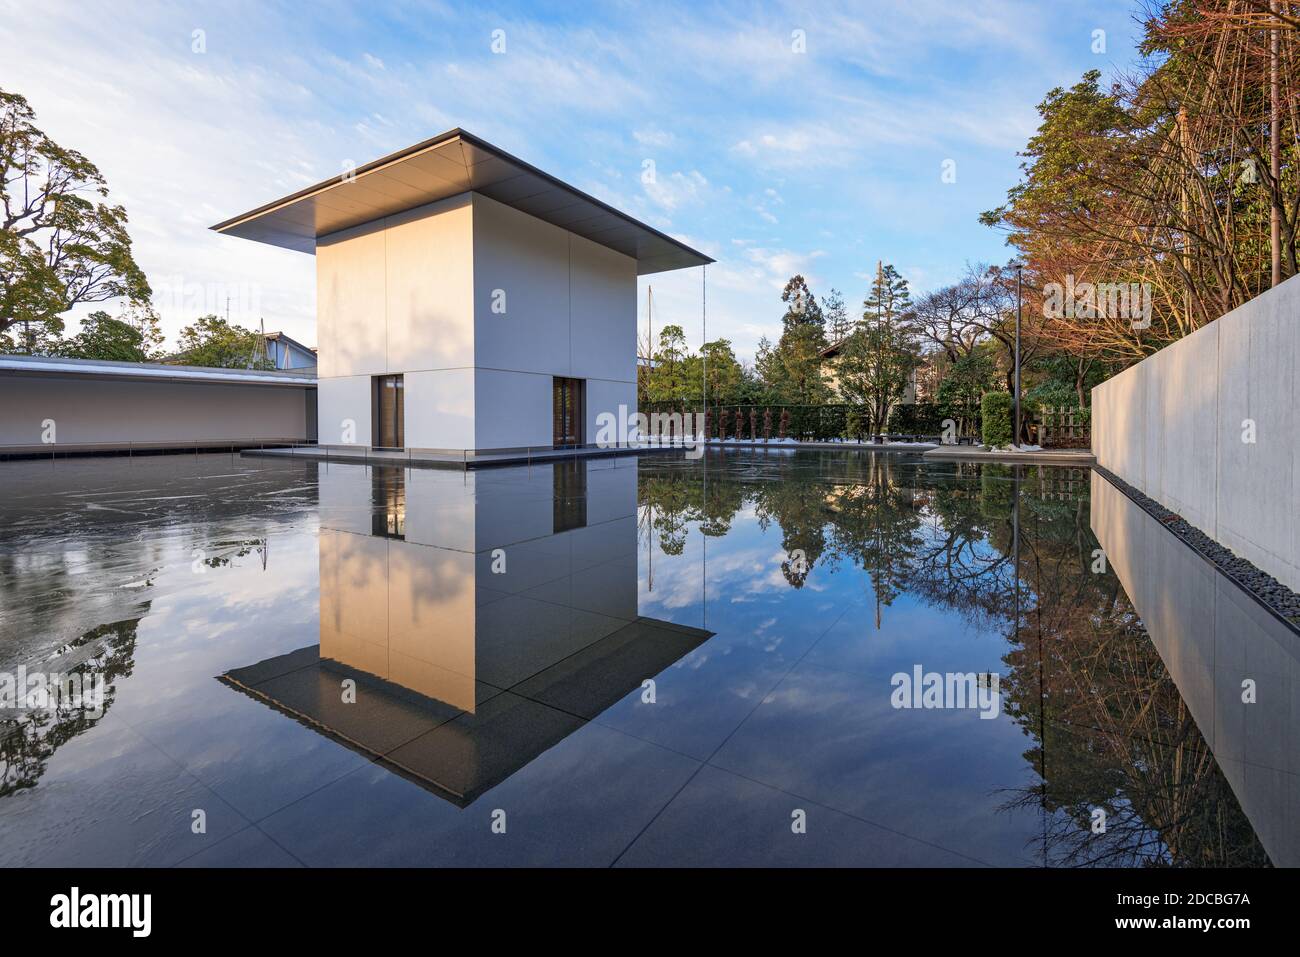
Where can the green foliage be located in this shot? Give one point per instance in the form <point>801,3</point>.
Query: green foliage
<point>995,417</point>
<point>61,243</point>
<point>961,390</point>
<point>724,373</point>
<point>855,424</point>
<point>119,340</point>
<point>874,368</point>
<point>666,379</point>
<point>34,338</point>
<point>213,342</point>
<point>889,298</point>
<point>797,366</point>
<point>838,323</point>
<point>802,308</point>
<point>675,381</point>
<point>791,370</point>
<point>1055,393</point>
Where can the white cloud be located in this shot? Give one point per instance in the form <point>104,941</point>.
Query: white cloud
<point>676,189</point>
<point>653,136</point>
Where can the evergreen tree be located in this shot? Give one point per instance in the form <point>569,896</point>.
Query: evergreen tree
<point>876,363</point>
<point>802,308</point>
<point>838,323</point>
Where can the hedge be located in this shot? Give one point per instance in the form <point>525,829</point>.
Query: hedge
<point>818,422</point>
<point>995,416</point>
<point>920,418</point>
<point>997,412</point>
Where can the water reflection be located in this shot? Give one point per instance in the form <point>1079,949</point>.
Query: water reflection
<point>499,628</point>
<point>1011,551</point>
<point>468,624</point>
<point>30,737</point>
<point>1230,725</point>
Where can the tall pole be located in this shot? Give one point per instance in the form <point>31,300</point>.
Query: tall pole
<point>1275,149</point>
<point>704,335</point>
<point>1016,439</point>
<point>1187,219</point>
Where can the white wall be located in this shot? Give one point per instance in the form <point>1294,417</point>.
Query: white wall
<point>440,409</point>
<point>513,409</point>
<point>604,395</point>
<point>110,412</point>
<point>414,294</point>
<point>570,310</point>
<point>343,400</point>
<point>1172,426</point>
<point>396,295</point>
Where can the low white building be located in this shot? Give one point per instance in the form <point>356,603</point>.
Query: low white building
<point>467,300</point>
<point>64,406</point>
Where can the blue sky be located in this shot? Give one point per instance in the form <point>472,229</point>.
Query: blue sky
<point>771,160</point>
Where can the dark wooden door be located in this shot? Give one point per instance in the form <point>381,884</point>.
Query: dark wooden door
<point>390,412</point>
<point>567,411</point>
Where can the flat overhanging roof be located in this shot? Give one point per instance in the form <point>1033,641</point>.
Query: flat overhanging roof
<point>449,164</point>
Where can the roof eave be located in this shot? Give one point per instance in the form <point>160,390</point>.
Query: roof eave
<point>303,242</point>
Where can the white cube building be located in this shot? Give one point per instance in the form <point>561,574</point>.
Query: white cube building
<point>466,300</point>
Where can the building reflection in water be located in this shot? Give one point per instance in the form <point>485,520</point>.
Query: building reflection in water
<point>470,621</point>
<point>1215,642</point>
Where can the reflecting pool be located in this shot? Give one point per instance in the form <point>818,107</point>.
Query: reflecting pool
<point>757,658</point>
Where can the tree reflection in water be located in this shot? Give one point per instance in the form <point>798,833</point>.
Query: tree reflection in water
<point>1108,727</point>
<point>29,742</point>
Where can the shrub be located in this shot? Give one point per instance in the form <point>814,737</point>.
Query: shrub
<point>995,415</point>
<point>855,424</point>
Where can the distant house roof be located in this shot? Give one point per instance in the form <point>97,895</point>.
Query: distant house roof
<point>152,371</point>
<point>451,163</point>
<point>274,336</point>
<point>834,349</point>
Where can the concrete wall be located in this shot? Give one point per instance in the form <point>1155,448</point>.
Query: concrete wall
<point>1173,426</point>
<point>108,411</point>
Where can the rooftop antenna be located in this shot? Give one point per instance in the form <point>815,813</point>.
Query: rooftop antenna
<point>259,343</point>
<point>649,326</point>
